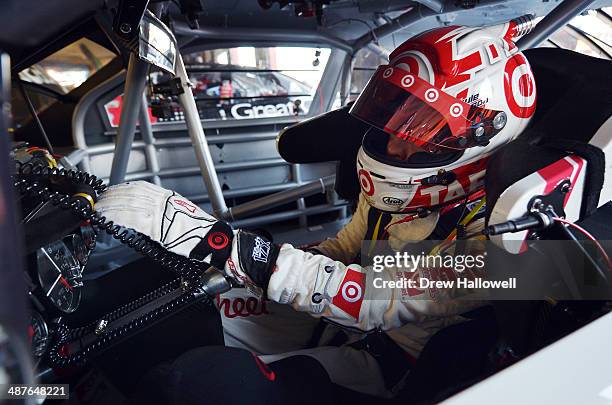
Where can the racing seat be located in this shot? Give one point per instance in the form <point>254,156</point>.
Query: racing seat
<point>333,136</point>
<point>574,108</point>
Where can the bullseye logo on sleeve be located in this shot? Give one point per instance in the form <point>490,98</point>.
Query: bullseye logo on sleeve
<point>350,294</point>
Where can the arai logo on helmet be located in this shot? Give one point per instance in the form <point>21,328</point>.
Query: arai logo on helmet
<point>392,201</point>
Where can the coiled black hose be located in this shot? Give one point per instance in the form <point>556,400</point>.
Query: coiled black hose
<point>31,180</point>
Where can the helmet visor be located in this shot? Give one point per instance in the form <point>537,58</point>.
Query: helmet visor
<point>409,107</point>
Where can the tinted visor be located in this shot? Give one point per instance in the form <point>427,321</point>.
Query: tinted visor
<point>404,105</point>
<point>375,145</point>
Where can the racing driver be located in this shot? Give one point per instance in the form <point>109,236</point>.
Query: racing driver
<point>446,101</point>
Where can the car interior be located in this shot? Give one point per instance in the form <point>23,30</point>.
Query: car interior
<point>265,142</point>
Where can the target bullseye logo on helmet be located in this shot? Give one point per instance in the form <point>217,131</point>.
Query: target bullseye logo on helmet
<point>351,291</point>
<point>388,72</point>
<point>367,185</point>
<point>407,80</point>
<point>432,95</point>
<point>218,240</point>
<point>519,87</point>
<point>456,110</point>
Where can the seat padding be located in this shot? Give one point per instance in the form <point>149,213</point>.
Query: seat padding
<point>574,100</point>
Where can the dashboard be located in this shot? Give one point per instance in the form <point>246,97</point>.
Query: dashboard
<point>58,245</point>
<point>55,279</point>
<point>72,320</point>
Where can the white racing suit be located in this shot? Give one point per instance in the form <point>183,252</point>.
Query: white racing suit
<point>275,331</point>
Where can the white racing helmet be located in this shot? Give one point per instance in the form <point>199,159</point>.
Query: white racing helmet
<point>458,94</point>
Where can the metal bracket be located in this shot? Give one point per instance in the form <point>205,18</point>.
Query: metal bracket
<point>172,87</point>
<point>549,203</point>
<point>214,282</point>
<point>552,201</point>
<point>127,20</point>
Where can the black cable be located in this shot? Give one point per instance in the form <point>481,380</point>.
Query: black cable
<point>465,202</point>
<point>64,336</point>
<point>24,93</point>
<point>29,181</point>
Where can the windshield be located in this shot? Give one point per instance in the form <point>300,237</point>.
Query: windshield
<point>69,67</point>
<point>243,83</point>
<point>254,82</point>
<point>589,34</point>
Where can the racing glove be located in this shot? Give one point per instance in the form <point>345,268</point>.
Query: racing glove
<point>183,228</point>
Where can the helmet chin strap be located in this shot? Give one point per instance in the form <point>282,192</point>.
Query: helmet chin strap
<point>423,212</point>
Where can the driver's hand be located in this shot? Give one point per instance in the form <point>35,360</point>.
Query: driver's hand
<point>168,218</point>
<point>183,228</point>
